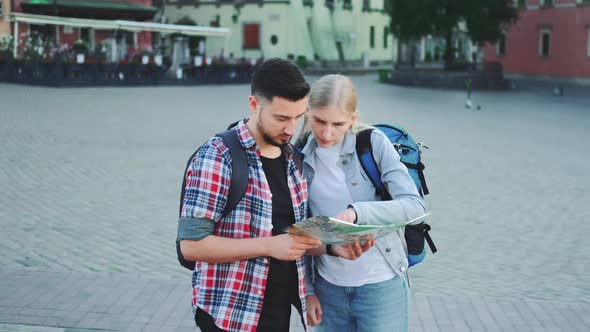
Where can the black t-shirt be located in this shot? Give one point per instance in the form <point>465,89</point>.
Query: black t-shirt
<point>282,283</point>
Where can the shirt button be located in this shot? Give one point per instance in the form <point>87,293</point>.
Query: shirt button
<point>354,183</point>
<point>271,195</point>
<point>403,269</point>
<point>345,162</point>
<point>264,260</point>
<point>388,250</point>
<point>259,292</point>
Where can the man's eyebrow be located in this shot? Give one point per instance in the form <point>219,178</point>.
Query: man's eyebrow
<point>288,117</point>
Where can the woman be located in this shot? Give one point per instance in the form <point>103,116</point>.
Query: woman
<point>370,293</point>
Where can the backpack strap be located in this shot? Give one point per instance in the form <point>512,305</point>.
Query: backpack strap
<point>239,170</point>
<point>420,169</point>
<point>239,174</point>
<point>298,159</point>
<point>364,151</point>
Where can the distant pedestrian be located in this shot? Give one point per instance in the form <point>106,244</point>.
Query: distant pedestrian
<point>468,104</point>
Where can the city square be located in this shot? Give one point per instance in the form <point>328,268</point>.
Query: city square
<point>90,182</point>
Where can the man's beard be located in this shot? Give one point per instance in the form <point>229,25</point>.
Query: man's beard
<point>267,137</point>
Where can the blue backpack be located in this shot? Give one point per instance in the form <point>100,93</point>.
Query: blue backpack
<point>410,154</point>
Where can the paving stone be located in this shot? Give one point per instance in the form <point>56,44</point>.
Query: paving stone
<point>90,189</point>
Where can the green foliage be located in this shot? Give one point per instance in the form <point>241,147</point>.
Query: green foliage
<point>6,43</point>
<point>485,23</point>
<point>301,61</point>
<point>413,19</point>
<point>33,49</point>
<point>80,47</point>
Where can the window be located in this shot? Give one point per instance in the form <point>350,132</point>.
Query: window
<point>546,3</point>
<point>372,37</point>
<point>385,36</point>
<point>215,22</point>
<point>347,5</point>
<point>366,5</point>
<point>1,8</point>
<point>545,42</point>
<point>330,4</point>
<point>251,36</point>
<point>501,45</point>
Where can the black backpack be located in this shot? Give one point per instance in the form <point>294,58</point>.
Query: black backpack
<point>238,182</point>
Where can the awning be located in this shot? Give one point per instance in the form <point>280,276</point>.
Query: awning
<point>188,30</point>
<point>102,9</point>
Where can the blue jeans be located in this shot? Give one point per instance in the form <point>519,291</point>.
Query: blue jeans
<point>380,307</point>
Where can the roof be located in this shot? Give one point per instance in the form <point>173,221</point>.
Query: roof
<point>90,8</point>
<point>91,4</point>
<point>120,25</point>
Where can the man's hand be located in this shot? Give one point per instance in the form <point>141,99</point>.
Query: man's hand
<point>288,247</point>
<point>314,310</point>
<point>348,215</point>
<point>352,251</point>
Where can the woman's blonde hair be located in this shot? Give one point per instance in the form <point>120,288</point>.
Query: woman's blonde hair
<point>330,90</point>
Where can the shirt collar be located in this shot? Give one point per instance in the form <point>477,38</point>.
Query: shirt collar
<point>246,138</point>
<point>248,141</point>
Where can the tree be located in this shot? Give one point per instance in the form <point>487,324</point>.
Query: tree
<point>413,19</point>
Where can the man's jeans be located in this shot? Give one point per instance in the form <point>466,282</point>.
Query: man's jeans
<point>380,307</point>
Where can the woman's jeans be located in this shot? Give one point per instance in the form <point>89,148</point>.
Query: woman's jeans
<point>380,307</point>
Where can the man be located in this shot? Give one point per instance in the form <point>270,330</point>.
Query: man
<point>248,272</point>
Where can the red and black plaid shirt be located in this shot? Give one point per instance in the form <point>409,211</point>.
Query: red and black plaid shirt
<point>232,293</point>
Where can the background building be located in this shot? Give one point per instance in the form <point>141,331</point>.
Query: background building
<point>4,17</point>
<point>113,44</point>
<point>329,31</point>
<point>551,38</point>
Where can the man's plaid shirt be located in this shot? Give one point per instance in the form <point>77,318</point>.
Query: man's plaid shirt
<point>232,293</point>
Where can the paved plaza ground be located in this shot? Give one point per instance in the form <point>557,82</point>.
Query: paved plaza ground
<point>90,179</point>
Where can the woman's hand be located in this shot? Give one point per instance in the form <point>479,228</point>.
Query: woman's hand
<point>348,215</point>
<point>314,310</point>
<point>352,251</point>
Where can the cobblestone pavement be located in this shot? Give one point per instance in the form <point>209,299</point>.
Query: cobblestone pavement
<point>90,181</point>
<point>79,301</point>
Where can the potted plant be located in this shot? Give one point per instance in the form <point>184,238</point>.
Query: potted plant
<point>5,47</point>
<point>80,49</point>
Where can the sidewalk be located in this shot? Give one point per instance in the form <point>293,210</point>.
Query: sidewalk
<point>74,301</point>
<point>91,178</point>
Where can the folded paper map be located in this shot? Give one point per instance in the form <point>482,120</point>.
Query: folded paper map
<point>334,231</point>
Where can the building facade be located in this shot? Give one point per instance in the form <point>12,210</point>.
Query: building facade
<point>113,44</point>
<point>4,17</point>
<point>550,39</point>
<point>328,31</point>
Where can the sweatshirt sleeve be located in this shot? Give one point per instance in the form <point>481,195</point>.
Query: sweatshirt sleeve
<point>407,204</point>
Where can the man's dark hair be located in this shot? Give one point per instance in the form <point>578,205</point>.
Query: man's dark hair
<point>279,78</point>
